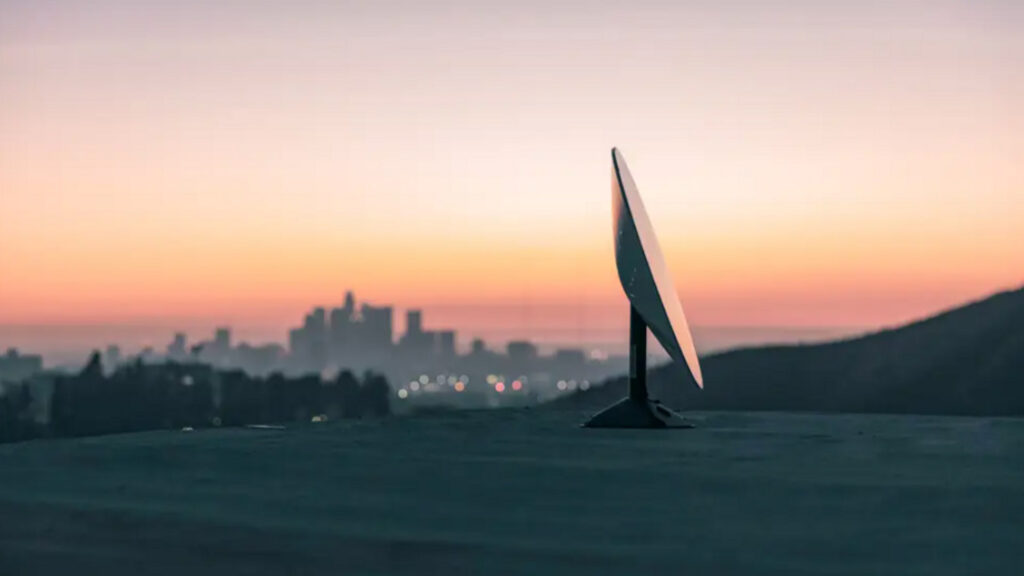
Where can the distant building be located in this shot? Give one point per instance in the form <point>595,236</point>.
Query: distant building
<point>222,339</point>
<point>341,332</point>
<point>112,358</point>
<point>413,322</point>
<point>446,345</point>
<point>378,327</point>
<point>15,366</point>
<point>217,351</point>
<point>570,358</point>
<point>417,343</point>
<point>522,354</point>
<point>316,328</point>
<point>259,360</point>
<point>298,345</point>
<point>177,350</point>
<point>308,344</point>
<point>478,347</point>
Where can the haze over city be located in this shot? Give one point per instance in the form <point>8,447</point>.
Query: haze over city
<point>370,287</point>
<point>182,165</point>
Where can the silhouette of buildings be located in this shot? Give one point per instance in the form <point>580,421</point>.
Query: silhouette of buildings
<point>308,343</point>
<point>177,350</point>
<point>416,343</point>
<point>446,345</point>
<point>375,333</point>
<point>112,357</point>
<point>521,353</point>
<point>341,334</point>
<point>360,337</point>
<point>15,366</point>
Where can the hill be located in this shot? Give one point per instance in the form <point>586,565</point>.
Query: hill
<point>969,360</point>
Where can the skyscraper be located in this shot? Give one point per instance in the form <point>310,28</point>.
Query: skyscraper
<point>522,354</point>
<point>316,339</point>
<point>413,322</point>
<point>446,345</point>
<point>416,342</point>
<point>177,350</point>
<point>378,326</point>
<point>222,339</point>
<point>340,332</point>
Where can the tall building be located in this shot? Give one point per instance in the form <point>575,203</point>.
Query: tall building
<point>298,344</point>
<point>378,327</point>
<point>340,334</point>
<point>222,339</point>
<point>112,358</point>
<point>478,347</point>
<point>218,351</point>
<point>522,354</point>
<point>307,345</point>
<point>350,304</point>
<point>177,350</point>
<point>15,366</point>
<point>413,322</point>
<point>446,345</point>
<point>416,342</point>
<point>316,339</point>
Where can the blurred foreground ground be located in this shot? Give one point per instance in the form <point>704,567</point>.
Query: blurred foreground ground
<point>525,492</point>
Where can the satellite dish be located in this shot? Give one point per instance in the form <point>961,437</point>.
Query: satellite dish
<point>653,304</point>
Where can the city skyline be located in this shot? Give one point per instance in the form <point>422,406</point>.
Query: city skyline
<point>70,345</point>
<point>422,363</point>
<point>190,165</point>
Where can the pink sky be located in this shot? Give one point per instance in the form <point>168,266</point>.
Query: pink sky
<point>804,163</point>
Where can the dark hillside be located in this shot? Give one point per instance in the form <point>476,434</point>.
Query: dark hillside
<point>969,360</point>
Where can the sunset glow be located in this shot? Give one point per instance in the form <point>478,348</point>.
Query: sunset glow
<point>188,164</point>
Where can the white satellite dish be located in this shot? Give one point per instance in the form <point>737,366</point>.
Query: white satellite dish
<point>653,304</point>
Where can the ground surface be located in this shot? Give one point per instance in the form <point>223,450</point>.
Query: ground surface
<point>525,492</point>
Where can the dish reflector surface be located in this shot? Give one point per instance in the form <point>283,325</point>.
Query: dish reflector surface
<point>643,273</point>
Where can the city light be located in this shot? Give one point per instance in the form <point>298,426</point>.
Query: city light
<point>561,385</point>
<point>403,393</point>
<point>334,340</point>
<point>585,385</point>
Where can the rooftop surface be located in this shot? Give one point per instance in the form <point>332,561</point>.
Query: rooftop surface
<point>524,492</point>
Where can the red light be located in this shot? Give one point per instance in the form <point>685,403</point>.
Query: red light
<point>500,387</point>
<point>517,385</point>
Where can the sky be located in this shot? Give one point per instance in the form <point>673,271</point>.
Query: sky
<point>805,163</point>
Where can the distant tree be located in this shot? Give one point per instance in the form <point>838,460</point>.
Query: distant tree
<point>349,395</point>
<point>140,396</point>
<point>16,422</point>
<point>375,395</point>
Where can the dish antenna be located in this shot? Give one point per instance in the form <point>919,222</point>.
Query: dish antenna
<point>653,304</point>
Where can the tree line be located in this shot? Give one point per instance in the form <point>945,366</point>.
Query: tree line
<point>138,396</point>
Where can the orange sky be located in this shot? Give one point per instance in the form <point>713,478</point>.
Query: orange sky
<point>805,164</point>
